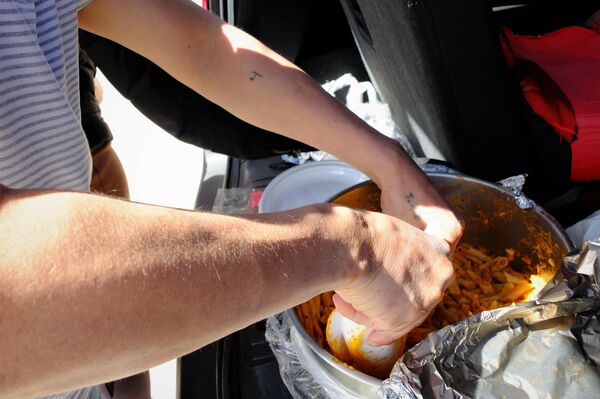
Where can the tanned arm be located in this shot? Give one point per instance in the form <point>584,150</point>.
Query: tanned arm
<point>93,289</point>
<point>237,72</point>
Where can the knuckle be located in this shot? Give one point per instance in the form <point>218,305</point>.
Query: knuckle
<point>424,308</point>
<point>444,248</point>
<point>447,271</point>
<point>446,277</point>
<point>428,300</point>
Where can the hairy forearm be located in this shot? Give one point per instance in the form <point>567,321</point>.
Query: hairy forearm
<point>92,288</point>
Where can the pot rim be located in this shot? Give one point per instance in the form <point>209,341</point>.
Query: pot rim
<point>367,379</point>
<point>566,240</point>
<point>328,357</point>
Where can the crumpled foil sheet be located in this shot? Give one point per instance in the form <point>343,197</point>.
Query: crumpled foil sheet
<point>515,185</point>
<point>538,349</point>
<point>299,382</point>
<point>549,348</point>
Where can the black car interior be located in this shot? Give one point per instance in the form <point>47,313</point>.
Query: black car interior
<point>440,67</point>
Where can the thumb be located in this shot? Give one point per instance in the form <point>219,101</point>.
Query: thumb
<point>450,232</point>
<point>437,230</point>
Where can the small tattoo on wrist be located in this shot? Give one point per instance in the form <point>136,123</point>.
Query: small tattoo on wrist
<point>410,199</point>
<point>255,75</point>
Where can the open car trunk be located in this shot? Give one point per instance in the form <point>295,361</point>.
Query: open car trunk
<point>440,66</point>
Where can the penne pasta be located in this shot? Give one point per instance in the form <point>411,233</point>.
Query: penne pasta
<point>483,282</point>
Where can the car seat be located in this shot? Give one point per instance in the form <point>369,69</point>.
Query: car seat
<point>440,67</point>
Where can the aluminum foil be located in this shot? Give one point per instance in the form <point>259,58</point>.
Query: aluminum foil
<point>299,381</point>
<point>515,185</point>
<point>548,348</point>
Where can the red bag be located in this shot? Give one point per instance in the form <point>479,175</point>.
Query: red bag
<point>571,58</point>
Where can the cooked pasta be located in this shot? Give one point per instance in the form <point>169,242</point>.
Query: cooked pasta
<point>314,314</point>
<point>483,282</point>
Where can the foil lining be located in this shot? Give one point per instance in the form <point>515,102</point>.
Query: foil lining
<point>549,348</point>
<point>515,185</point>
<point>299,381</point>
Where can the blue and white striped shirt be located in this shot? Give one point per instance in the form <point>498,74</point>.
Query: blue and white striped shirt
<point>42,144</point>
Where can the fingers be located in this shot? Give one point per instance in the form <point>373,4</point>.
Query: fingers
<point>407,274</point>
<point>443,224</point>
<point>348,311</point>
<point>440,231</point>
<point>379,338</point>
<point>375,338</point>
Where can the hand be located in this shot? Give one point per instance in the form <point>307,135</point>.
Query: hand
<point>412,198</point>
<point>402,275</point>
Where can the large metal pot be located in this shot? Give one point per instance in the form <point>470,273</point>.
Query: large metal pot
<point>493,220</point>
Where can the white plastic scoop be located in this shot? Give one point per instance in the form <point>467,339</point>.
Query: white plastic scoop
<point>348,342</point>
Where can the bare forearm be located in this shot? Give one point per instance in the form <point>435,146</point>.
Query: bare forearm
<point>236,71</point>
<point>94,289</point>
<point>286,100</point>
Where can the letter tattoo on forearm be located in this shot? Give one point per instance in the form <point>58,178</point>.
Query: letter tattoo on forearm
<point>410,199</point>
<point>255,75</point>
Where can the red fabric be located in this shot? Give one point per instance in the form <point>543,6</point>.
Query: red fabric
<point>548,101</point>
<point>508,54</point>
<point>543,95</point>
<point>571,57</point>
<point>254,200</point>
